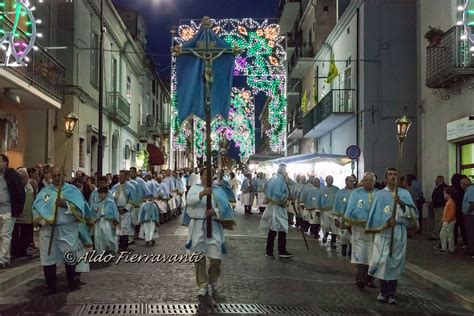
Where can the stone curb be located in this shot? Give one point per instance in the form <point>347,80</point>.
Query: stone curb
<point>15,276</point>
<point>452,291</point>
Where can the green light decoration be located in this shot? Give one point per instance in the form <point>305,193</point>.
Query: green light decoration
<point>261,63</point>
<point>17,43</point>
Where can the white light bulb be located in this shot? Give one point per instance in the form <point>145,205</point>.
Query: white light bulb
<point>33,8</point>
<point>4,47</point>
<point>40,1</point>
<point>463,37</point>
<point>27,59</point>
<point>472,49</point>
<point>35,47</point>
<point>460,8</point>
<point>39,21</point>
<point>40,35</point>
<point>459,23</point>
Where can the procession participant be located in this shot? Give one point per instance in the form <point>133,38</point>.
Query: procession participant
<point>141,190</point>
<point>194,178</point>
<point>301,199</point>
<point>248,191</point>
<point>101,183</point>
<point>261,183</point>
<point>106,218</point>
<point>234,184</point>
<point>292,219</point>
<point>180,191</point>
<point>356,214</point>
<point>340,203</point>
<point>310,199</point>
<point>298,187</point>
<point>125,196</point>
<point>22,235</point>
<point>275,217</point>
<point>221,182</point>
<point>170,184</point>
<point>213,248</point>
<point>383,266</point>
<point>325,203</point>
<point>72,213</point>
<point>149,219</point>
<point>162,197</point>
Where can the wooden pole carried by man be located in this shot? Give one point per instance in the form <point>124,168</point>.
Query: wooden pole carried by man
<point>204,73</point>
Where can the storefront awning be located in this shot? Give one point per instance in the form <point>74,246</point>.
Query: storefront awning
<point>313,157</point>
<point>155,155</point>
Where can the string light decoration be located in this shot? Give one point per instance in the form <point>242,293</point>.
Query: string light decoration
<point>261,63</point>
<point>17,32</point>
<point>466,19</point>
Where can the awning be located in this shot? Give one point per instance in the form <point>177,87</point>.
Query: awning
<point>313,157</point>
<point>265,156</point>
<point>155,155</point>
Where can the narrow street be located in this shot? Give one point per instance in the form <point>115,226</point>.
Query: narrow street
<point>319,279</point>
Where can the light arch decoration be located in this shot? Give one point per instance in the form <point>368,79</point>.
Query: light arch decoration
<point>466,20</point>
<point>260,67</point>
<point>18,32</point>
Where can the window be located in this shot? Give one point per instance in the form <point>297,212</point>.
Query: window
<point>129,90</point>
<point>153,109</point>
<point>348,30</point>
<point>114,74</point>
<point>94,59</point>
<point>153,88</point>
<point>81,152</point>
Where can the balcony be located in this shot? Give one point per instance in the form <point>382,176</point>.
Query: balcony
<point>288,11</point>
<point>157,129</point>
<point>293,92</point>
<point>119,109</point>
<point>295,124</point>
<point>166,128</point>
<point>333,110</point>
<point>450,61</point>
<point>301,60</point>
<point>142,132</point>
<point>40,84</point>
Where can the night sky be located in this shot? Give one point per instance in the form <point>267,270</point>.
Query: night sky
<point>161,15</point>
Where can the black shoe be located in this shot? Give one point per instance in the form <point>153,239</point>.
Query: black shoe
<point>285,254</point>
<point>325,239</point>
<point>49,291</point>
<point>344,250</point>
<point>152,242</point>
<point>360,284</point>
<point>270,256</point>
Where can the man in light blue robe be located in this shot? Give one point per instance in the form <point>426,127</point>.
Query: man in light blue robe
<point>355,217</point>
<point>302,198</point>
<point>106,218</point>
<point>295,191</point>
<point>170,183</point>
<point>125,196</point>
<point>180,192</point>
<point>94,197</point>
<point>340,203</point>
<point>310,204</point>
<point>325,203</point>
<point>383,266</point>
<point>149,218</point>
<point>248,189</point>
<point>142,191</point>
<point>275,217</point>
<point>72,214</point>
<point>195,217</point>
<point>261,182</point>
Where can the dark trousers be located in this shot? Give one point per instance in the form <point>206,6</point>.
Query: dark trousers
<point>51,278</point>
<point>248,209</point>
<point>459,226</point>
<point>22,237</point>
<point>388,288</point>
<point>361,275</point>
<point>314,229</point>
<point>271,242</point>
<point>290,218</point>
<point>262,209</point>
<point>123,242</point>
<point>469,224</point>
<point>299,221</point>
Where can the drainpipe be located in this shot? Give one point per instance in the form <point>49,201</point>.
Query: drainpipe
<point>357,87</point>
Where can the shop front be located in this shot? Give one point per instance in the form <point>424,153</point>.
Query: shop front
<point>460,135</point>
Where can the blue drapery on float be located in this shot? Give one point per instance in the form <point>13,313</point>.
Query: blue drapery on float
<point>189,76</point>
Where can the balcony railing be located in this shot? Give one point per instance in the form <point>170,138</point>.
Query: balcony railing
<point>336,101</point>
<point>294,86</point>
<point>43,70</point>
<point>142,132</point>
<point>302,50</point>
<point>448,61</point>
<point>295,120</point>
<point>157,129</point>
<point>119,109</point>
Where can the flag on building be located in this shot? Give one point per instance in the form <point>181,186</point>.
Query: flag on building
<point>333,71</point>
<point>315,92</point>
<point>304,101</point>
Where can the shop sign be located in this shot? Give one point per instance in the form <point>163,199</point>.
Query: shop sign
<point>460,129</point>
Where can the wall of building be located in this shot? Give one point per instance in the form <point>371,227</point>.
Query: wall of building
<point>437,155</point>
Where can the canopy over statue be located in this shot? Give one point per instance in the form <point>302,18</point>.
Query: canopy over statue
<point>191,89</point>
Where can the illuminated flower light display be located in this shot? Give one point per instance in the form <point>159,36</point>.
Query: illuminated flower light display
<point>262,64</point>
<point>466,19</point>
<point>17,32</point>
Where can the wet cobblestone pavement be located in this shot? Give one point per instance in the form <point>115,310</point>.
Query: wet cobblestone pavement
<point>320,278</point>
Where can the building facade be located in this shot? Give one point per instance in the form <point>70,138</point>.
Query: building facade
<point>445,91</point>
<point>362,100</point>
<point>131,97</point>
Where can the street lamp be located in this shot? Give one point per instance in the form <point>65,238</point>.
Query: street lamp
<point>70,122</point>
<point>403,124</point>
